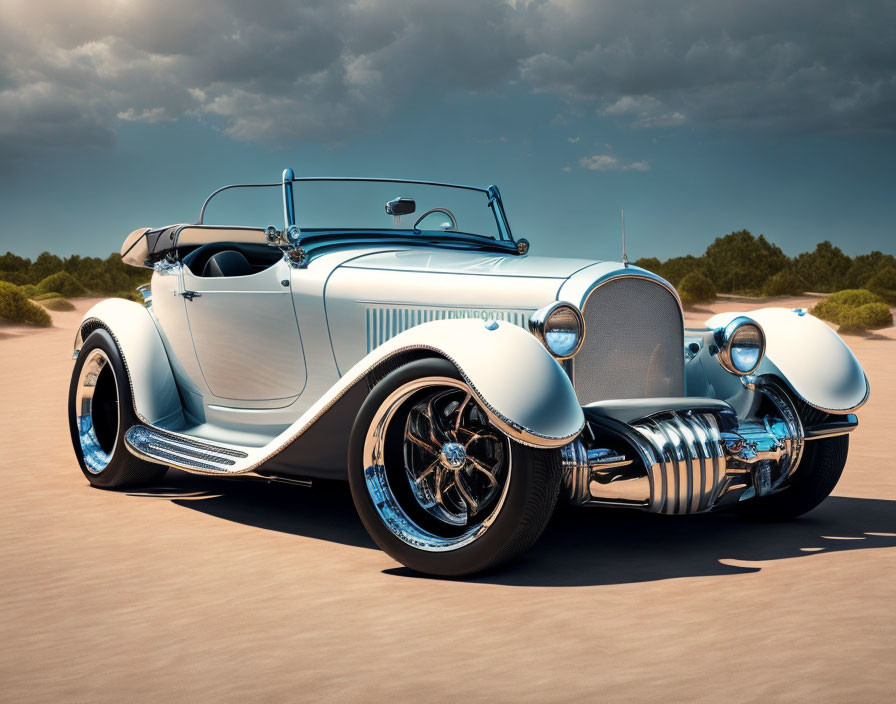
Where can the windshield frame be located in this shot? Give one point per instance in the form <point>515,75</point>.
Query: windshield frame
<point>495,204</point>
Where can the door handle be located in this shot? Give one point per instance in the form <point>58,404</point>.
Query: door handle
<point>190,295</point>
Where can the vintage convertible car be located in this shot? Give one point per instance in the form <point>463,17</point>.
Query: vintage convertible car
<point>457,382</point>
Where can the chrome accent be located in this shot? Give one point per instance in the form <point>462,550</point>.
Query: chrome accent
<point>689,473</point>
<point>383,323</point>
<point>843,425</point>
<point>444,211</point>
<point>800,311</point>
<point>539,323</point>
<point>522,245</point>
<point>587,475</point>
<point>289,206</point>
<point>635,341</point>
<point>96,453</point>
<point>158,446</point>
<point>442,489</point>
<point>725,339</point>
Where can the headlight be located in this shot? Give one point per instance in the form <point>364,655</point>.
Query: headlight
<point>741,346</point>
<point>560,327</point>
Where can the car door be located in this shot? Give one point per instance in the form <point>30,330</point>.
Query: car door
<point>246,335</point>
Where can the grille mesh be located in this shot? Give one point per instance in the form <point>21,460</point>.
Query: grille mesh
<point>634,343</point>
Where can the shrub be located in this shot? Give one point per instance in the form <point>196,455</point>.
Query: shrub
<point>57,303</point>
<point>16,308</point>
<point>130,295</point>
<point>62,283</point>
<point>870,316</point>
<point>696,288</point>
<point>836,305</point>
<point>785,283</point>
<point>45,296</point>
<point>30,290</point>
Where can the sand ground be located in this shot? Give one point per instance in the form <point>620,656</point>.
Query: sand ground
<point>213,590</point>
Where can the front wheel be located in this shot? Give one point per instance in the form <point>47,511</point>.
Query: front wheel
<point>815,478</point>
<point>439,487</point>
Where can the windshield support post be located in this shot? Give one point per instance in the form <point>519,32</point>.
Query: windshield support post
<point>497,206</point>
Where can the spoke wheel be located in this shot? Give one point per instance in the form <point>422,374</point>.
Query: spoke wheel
<point>438,465</point>
<point>437,483</point>
<point>456,462</point>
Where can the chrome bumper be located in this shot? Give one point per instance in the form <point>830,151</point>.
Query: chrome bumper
<point>678,462</point>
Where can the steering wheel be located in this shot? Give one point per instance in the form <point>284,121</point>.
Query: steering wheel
<point>445,211</point>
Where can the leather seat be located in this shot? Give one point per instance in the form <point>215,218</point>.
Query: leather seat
<point>227,263</point>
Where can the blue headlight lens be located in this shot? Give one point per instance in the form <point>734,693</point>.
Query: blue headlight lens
<point>562,332</point>
<point>746,348</point>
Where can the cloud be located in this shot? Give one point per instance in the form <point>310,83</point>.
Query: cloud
<point>284,71</point>
<point>607,162</point>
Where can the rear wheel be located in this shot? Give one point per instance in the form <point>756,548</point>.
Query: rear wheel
<point>437,485</point>
<point>100,410</point>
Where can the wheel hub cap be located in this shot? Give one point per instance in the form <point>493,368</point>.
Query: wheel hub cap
<point>453,455</point>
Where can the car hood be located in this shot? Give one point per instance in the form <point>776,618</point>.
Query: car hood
<point>376,295</point>
<point>472,263</point>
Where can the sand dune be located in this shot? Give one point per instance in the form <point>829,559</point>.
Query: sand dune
<point>215,590</point>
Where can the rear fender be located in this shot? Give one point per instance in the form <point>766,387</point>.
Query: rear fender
<point>156,399</point>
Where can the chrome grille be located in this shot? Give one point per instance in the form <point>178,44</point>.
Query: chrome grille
<point>634,343</point>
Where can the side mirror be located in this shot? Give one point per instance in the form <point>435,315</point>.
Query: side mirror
<point>401,206</point>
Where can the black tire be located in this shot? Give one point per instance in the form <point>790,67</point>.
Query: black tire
<point>529,499</point>
<point>814,480</point>
<point>111,414</point>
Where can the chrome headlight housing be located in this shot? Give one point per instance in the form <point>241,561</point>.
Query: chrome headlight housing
<point>560,327</point>
<point>741,345</point>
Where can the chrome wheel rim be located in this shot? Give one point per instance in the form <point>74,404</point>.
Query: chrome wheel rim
<point>436,469</point>
<point>96,411</point>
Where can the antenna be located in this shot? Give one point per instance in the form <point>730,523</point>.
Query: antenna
<point>624,255</point>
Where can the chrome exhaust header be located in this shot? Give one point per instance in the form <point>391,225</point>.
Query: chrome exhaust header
<point>682,461</point>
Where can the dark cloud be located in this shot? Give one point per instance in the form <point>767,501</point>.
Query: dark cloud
<point>287,70</point>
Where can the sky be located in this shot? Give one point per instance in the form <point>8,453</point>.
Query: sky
<point>698,117</point>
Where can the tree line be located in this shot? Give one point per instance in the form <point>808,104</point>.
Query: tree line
<point>740,263</point>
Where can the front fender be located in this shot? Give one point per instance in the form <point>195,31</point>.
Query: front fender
<point>520,384</point>
<point>809,357</point>
<point>156,400</point>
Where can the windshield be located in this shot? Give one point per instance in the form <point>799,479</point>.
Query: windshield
<point>332,204</point>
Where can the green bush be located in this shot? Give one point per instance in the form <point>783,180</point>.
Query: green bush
<point>130,295</point>
<point>57,303</point>
<point>45,296</point>
<point>62,283</point>
<point>696,288</point>
<point>785,283</point>
<point>16,308</point>
<point>30,290</point>
<point>837,304</point>
<point>871,316</point>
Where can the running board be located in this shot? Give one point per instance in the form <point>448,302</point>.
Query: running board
<point>166,448</point>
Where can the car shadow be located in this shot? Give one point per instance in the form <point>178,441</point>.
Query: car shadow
<point>580,547</point>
